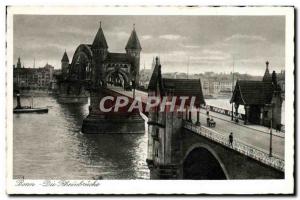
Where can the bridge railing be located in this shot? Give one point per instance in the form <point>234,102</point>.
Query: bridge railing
<point>237,145</point>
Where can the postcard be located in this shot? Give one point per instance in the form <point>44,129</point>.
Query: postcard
<point>150,100</point>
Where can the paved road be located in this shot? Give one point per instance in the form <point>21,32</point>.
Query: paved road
<point>241,123</point>
<point>246,135</point>
<point>249,136</point>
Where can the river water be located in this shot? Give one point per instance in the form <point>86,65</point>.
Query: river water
<point>51,146</point>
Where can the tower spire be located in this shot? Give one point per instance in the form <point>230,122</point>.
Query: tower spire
<point>19,64</point>
<point>100,41</point>
<point>267,76</point>
<point>133,41</point>
<point>65,57</point>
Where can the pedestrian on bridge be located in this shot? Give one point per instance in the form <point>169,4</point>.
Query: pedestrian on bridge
<point>231,139</point>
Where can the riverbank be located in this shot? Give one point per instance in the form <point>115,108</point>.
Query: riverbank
<point>36,93</point>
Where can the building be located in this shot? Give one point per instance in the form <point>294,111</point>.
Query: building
<point>145,75</point>
<point>54,82</point>
<point>220,84</point>
<point>261,99</point>
<point>281,80</point>
<point>32,78</point>
<point>205,86</point>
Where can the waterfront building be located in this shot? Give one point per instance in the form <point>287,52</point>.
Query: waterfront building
<point>145,75</point>
<point>205,86</point>
<point>54,82</point>
<point>221,86</point>
<point>32,78</point>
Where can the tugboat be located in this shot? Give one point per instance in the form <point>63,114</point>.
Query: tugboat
<point>27,109</point>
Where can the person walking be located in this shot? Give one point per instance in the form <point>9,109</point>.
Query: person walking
<point>231,139</point>
<point>207,111</point>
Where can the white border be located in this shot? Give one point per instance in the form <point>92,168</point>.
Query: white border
<point>153,186</point>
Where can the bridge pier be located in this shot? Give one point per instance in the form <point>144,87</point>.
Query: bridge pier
<point>72,99</point>
<point>98,122</point>
<point>163,172</point>
<point>106,124</point>
<point>72,92</point>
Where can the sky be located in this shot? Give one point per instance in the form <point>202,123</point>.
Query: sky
<point>193,44</point>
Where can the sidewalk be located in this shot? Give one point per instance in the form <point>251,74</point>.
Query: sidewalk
<point>262,129</point>
<point>249,136</point>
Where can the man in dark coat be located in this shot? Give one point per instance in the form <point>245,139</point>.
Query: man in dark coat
<point>231,139</point>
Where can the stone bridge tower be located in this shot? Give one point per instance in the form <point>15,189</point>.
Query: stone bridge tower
<point>65,65</point>
<point>99,49</point>
<point>165,128</point>
<point>133,50</point>
<point>108,68</point>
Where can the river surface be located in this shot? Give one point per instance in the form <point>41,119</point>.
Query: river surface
<point>51,146</point>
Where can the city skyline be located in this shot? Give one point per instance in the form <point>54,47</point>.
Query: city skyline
<point>191,43</point>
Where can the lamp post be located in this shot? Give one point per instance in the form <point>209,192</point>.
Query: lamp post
<point>271,134</point>
<point>133,84</point>
<point>133,80</point>
<point>232,88</point>
<point>232,111</point>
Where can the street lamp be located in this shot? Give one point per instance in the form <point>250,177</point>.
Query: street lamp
<point>133,85</point>
<point>271,130</point>
<point>232,87</point>
<point>232,111</point>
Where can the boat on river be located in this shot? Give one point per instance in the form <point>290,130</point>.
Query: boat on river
<point>30,110</point>
<point>27,109</point>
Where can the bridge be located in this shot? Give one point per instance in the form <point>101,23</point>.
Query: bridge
<point>180,145</point>
<point>247,158</point>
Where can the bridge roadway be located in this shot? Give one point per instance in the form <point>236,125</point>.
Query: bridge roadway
<point>256,138</point>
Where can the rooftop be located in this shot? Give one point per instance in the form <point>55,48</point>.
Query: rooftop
<point>100,41</point>
<point>178,87</point>
<point>117,58</point>
<point>252,92</point>
<point>133,42</point>
<point>185,87</point>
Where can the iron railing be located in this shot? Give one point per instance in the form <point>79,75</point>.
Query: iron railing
<point>237,145</point>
